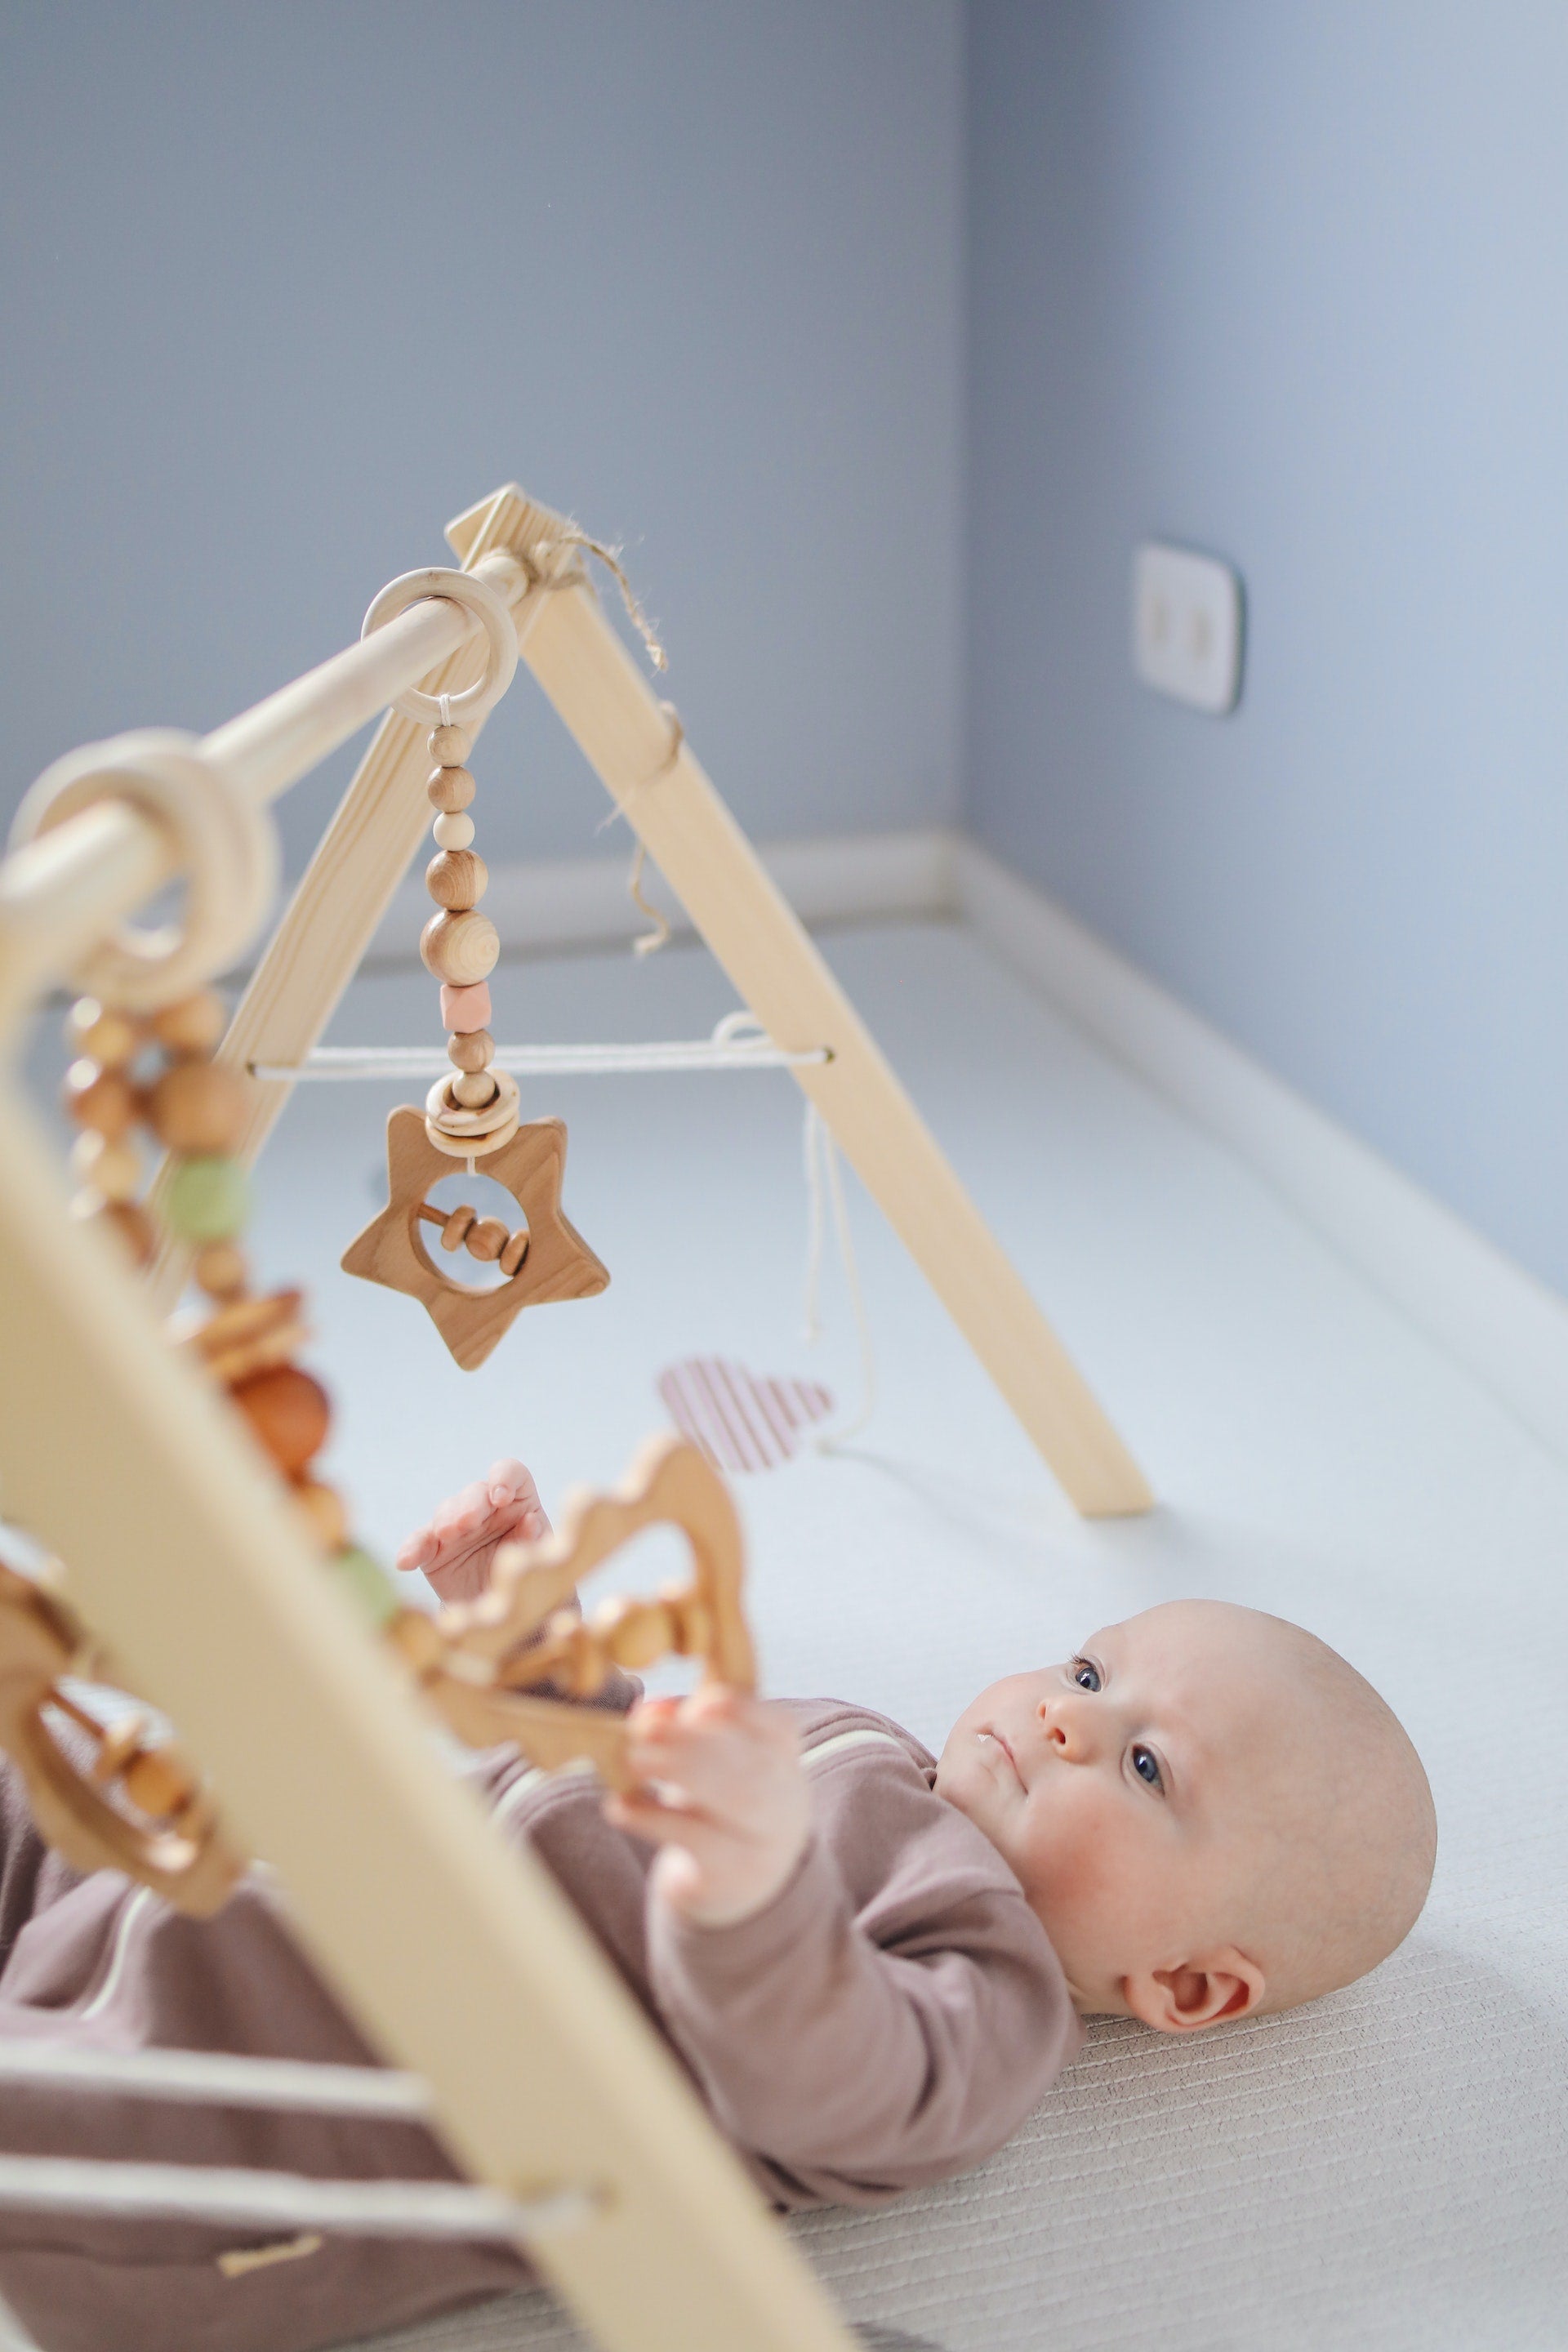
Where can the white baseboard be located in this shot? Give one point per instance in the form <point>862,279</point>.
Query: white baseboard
<point>577,903</point>
<point>1506,1327</point>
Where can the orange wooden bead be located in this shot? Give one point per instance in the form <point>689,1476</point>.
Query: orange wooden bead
<point>156,1780</point>
<point>107,1038</point>
<point>470,1049</point>
<point>516,1250</point>
<point>487,1238</point>
<point>193,1025</point>
<point>324,1512</point>
<point>221,1270</point>
<point>289,1414</point>
<point>457,877</point>
<point>100,1099</point>
<point>127,1223</point>
<point>450,790</point>
<point>459,948</point>
<point>196,1107</point>
<point>113,1169</point>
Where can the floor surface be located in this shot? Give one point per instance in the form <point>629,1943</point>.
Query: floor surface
<point>1389,2167</point>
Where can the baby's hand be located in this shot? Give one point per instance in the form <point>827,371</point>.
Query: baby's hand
<point>464,1533</point>
<point>724,1795</point>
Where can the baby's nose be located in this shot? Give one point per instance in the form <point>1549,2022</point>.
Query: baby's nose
<point>1061,1727</point>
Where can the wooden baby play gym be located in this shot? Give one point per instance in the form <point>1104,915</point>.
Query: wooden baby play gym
<point>175,1482</point>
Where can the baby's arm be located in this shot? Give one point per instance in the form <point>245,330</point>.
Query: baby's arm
<point>457,1544</point>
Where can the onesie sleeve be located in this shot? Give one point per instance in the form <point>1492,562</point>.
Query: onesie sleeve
<point>854,2056</point>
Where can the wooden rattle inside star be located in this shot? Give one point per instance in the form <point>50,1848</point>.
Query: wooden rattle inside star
<point>474,1113</point>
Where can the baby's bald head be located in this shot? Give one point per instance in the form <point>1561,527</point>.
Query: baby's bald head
<point>1212,1813</point>
<point>1341,1835</point>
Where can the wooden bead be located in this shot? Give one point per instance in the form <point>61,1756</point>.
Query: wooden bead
<point>456,878</point>
<point>487,1238</point>
<point>289,1414</point>
<point>221,1270</point>
<point>197,1106</point>
<point>450,745</point>
<point>516,1250</point>
<point>101,1099</point>
<point>113,1169</point>
<point>105,1036</point>
<point>635,1632</point>
<point>324,1512</point>
<point>193,1025</point>
<point>156,1780</point>
<point>455,1231</point>
<point>453,832</point>
<point>474,1089</point>
<point>126,1222</point>
<point>459,948</point>
<point>450,790</point>
<point>470,1049</point>
<point>208,1200</point>
<point>466,1008</point>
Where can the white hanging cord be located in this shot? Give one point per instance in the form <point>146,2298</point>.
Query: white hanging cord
<point>738,1043</point>
<point>824,1175</point>
<point>213,2078</point>
<point>286,2201</point>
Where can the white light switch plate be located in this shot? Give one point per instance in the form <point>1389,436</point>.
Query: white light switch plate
<point>1187,626</point>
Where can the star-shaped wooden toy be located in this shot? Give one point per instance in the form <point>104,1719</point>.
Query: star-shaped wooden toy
<point>545,1259</point>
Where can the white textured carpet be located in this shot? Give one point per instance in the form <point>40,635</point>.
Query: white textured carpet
<point>1387,2167</point>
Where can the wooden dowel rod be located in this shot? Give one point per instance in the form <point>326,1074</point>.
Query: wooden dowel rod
<point>63,893</point>
<point>270,747</point>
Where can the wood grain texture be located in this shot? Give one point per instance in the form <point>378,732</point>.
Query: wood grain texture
<point>558,1265</point>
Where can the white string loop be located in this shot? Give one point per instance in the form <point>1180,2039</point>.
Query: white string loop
<point>738,1043</point>
<point>223,841</point>
<point>825,1176</point>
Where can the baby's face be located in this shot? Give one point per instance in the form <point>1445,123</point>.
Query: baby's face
<point>1129,1789</point>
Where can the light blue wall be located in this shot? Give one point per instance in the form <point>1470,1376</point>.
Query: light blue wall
<point>285,287</point>
<point>1290,282</point>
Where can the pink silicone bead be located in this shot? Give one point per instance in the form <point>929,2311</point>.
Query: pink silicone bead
<point>463,1009</point>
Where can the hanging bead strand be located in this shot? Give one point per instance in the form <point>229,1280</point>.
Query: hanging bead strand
<point>474,1111</point>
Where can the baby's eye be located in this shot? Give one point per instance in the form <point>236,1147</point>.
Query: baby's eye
<point>1146,1764</point>
<point>1086,1676</point>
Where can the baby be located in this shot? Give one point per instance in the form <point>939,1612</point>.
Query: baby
<point>870,1962</point>
<point>1209,1812</point>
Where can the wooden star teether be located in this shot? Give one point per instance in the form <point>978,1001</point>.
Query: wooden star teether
<point>476,1664</point>
<point>546,1259</point>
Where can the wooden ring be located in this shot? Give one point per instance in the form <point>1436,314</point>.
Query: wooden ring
<point>462,1125</point>
<point>223,841</point>
<point>493,613</point>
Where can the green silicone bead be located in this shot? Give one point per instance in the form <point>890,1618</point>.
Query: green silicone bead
<point>365,1583</point>
<point>208,1199</point>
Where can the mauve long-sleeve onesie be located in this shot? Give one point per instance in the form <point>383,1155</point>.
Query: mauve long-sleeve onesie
<point>887,2020</point>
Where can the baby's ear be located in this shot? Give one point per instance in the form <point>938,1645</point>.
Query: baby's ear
<point>1201,1991</point>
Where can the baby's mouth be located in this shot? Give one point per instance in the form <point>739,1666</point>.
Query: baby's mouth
<point>995,1737</point>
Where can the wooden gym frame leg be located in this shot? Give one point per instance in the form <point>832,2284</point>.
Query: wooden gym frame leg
<point>457,1952</point>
